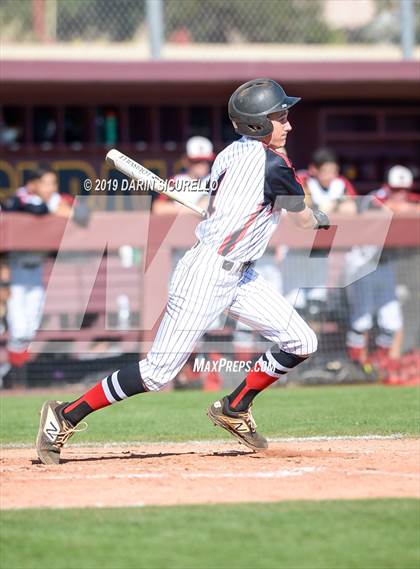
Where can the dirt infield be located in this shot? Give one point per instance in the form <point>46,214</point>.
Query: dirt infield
<point>207,472</point>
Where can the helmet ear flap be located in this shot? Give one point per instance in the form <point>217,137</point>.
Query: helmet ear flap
<point>262,129</point>
<point>254,128</point>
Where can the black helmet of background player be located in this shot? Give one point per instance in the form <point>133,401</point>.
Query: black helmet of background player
<point>252,102</point>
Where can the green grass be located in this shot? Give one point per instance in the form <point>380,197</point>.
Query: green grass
<point>180,416</point>
<point>367,534</point>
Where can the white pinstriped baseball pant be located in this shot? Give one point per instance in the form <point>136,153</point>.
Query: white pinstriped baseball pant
<point>200,290</point>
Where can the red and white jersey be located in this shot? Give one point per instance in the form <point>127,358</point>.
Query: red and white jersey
<point>385,194</point>
<point>250,184</point>
<point>338,188</point>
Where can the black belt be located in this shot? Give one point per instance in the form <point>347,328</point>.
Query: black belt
<point>228,265</point>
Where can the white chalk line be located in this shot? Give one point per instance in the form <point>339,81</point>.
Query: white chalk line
<point>145,475</point>
<point>265,474</point>
<point>113,444</point>
<point>285,473</point>
<point>388,473</point>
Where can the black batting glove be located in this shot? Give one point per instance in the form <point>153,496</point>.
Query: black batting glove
<point>322,219</point>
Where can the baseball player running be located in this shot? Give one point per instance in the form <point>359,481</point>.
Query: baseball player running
<point>255,181</point>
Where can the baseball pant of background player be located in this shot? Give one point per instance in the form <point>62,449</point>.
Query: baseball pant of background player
<point>24,306</point>
<point>200,290</point>
<point>370,296</point>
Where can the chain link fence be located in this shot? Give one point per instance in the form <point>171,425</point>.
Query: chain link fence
<point>183,22</point>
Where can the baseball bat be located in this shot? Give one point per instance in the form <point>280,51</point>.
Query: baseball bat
<point>136,171</point>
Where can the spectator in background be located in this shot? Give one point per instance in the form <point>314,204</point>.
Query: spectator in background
<point>47,191</point>
<point>325,188</point>
<point>25,301</point>
<point>373,297</point>
<point>4,295</point>
<point>4,290</point>
<point>197,162</point>
<point>39,196</point>
<point>61,205</point>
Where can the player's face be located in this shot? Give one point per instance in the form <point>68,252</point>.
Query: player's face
<point>32,186</point>
<point>198,169</point>
<point>48,185</point>
<point>281,128</point>
<point>326,173</point>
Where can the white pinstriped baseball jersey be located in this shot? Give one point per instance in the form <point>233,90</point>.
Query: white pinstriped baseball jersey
<point>246,179</point>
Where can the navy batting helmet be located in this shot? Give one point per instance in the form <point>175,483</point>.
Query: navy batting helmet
<point>252,102</point>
